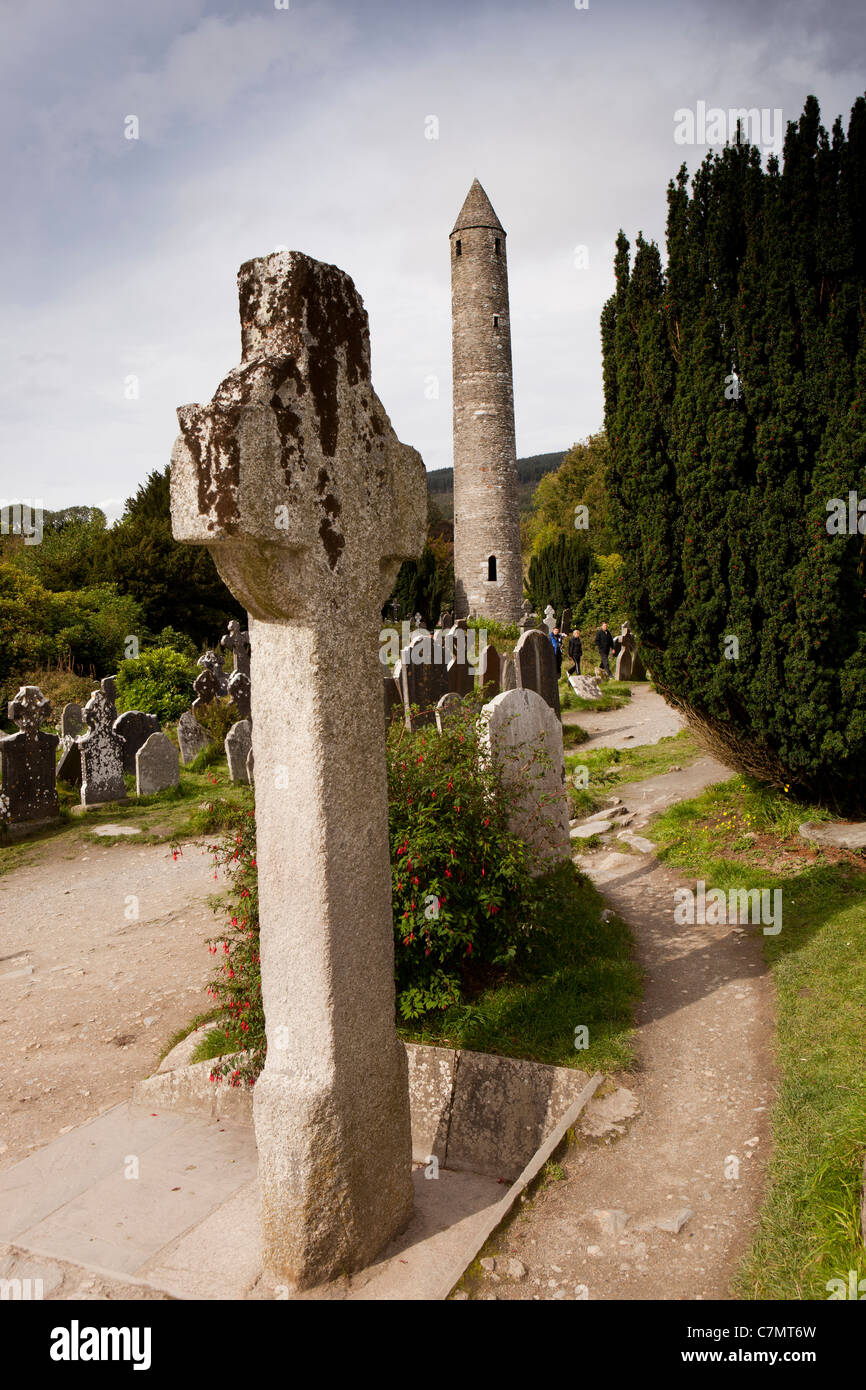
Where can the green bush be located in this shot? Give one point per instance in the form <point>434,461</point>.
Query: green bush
<point>85,629</point>
<point>159,682</point>
<point>560,572</point>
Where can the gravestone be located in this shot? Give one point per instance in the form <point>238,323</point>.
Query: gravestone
<point>625,658</point>
<point>101,753</point>
<point>157,765</point>
<point>393,698</point>
<point>516,724</point>
<point>239,745</point>
<point>417,621</point>
<point>251,767</point>
<point>210,661</point>
<point>446,620</point>
<point>535,667</point>
<point>29,793</point>
<point>108,686</point>
<point>208,687</point>
<point>237,641</point>
<point>549,618</point>
<point>507,672</point>
<point>489,671</point>
<point>565,625</point>
<point>69,766</point>
<point>239,693</point>
<point>446,708</point>
<point>423,676</point>
<point>294,479</point>
<point>587,687</point>
<point>134,729</point>
<point>459,672</point>
<point>192,739</point>
<point>72,721</point>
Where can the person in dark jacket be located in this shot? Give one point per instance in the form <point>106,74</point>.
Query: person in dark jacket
<point>575,651</point>
<point>604,642</point>
<point>556,643</point>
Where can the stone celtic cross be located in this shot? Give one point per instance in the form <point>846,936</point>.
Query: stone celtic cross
<point>308,502</point>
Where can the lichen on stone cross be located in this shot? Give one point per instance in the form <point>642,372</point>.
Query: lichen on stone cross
<point>294,479</point>
<point>29,709</point>
<point>207,688</point>
<point>98,714</point>
<point>237,642</point>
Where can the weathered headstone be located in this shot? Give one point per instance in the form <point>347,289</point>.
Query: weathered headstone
<point>393,698</point>
<point>192,739</point>
<point>460,673</point>
<point>134,729</point>
<point>507,672</point>
<point>27,760</point>
<point>587,687</point>
<point>535,667</point>
<point>156,765</point>
<point>240,693</point>
<point>211,661</point>
<point>517,725</point>
<point>237,641</point>
<point>294,478</point>
<point>251,762</point>
<point>423,676</point>
<point>208,687</point>
<point>69,766</point>
<point>489,671</point>
<point>565,624</point>
<point>446,708</point>
<point>72,721</point>
<point>549,617</point>
<point>625,659</point>
<point>446,620</point>
<point>239,745</point>
<point>101,753</point>
<point>108,686</point>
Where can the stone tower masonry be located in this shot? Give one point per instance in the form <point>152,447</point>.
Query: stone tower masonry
<point>488,574</point>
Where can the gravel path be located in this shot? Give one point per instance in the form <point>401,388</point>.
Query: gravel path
<point>661,1192</point>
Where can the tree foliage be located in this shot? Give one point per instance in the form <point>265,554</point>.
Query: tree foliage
<point>734,403</point>
<point>560,572</point>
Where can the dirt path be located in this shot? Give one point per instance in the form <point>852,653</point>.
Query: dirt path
<point>661,1192</point>
<point>645,718</point>
<point>88,993</point>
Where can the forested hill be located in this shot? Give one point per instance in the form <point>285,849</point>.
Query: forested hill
<point>440,482</point>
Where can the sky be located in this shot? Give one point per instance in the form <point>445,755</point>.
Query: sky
<point>309,126</point>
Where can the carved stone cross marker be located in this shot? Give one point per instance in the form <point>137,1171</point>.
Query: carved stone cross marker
<point>295,480</point>
<point>238,643</point>
<point>27,760</point>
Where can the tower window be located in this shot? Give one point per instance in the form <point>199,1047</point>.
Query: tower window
<point>459,247</point>
<point>491,569</point>
<point>495,320</point>
<point>496,245</point>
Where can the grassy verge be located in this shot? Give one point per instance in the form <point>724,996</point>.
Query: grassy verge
<point>609,768</point>
<point>740,834</point>
<point>585,975</point>
<point>614,694</point>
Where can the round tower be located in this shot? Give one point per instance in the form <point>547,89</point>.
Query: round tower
<point>488,575</point>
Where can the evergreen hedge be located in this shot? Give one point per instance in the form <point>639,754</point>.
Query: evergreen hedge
<point>734,404</point>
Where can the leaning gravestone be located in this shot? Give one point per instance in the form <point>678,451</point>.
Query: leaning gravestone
<point>423,676</point>
<point>192,739</point>
<point>69,767</point>
<point>156,765</point>
<point>239,745</point>
<point>297,433</point>
<point>515,725</point>
<point>72,721</point>
<point>446,708</point>
<point>535,667</point>
<point>587,687</point>
<point>101,754</point>
<point>27,760</point>
<point>134,729</point>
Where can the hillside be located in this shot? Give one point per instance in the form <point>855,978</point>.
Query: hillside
<point>440,481</point>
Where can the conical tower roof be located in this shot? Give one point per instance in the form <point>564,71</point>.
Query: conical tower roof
<point>477,211</point>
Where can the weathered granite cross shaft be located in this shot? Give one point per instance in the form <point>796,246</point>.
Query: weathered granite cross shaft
<point>295,480</point>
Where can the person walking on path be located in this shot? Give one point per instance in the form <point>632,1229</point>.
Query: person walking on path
<point>604,642</point>
<point>556,643</point>
<point>575,651</point>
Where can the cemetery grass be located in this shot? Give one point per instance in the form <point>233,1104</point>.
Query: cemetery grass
<point>614,695</point>
<point>608,768</point>
<point>743,834</point>
<point>586,974</point>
